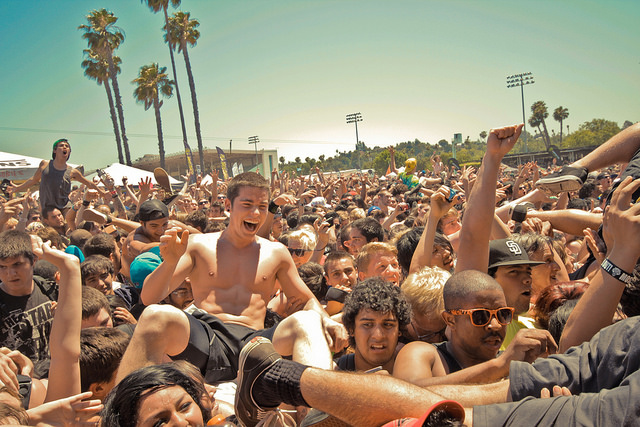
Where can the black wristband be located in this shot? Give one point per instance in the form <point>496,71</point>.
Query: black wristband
<point>616,272</point>
<point>86,203</point>
<point>273,208</point>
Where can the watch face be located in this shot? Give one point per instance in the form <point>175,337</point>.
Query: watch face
<point>616,271</point>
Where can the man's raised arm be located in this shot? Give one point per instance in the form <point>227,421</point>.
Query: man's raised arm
<point>176,265</point>
<point>476,225</point>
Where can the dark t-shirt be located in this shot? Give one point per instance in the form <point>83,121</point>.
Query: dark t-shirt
<point>25,324</point>
<point>603,375</point>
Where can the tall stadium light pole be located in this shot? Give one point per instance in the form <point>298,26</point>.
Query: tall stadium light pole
<point>521,80</point>
<point>355,118</point>
<point>254,140</point>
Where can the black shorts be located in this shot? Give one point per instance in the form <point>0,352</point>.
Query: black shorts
<point>214,346</point>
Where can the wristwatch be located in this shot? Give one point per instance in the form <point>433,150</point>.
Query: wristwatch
<point>616,272</point>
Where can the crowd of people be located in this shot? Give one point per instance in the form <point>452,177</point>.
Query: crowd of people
<point>447,296</point>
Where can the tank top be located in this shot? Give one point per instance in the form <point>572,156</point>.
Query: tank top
<point>452,363</point>
<point>55,186</point>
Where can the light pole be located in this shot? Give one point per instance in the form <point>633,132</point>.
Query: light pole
<point>355,118</point>
<point>521,80</point>
<point>254,140</point>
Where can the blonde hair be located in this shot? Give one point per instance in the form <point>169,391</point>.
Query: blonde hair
<point>369,250</point>
<point>306,238</point>
<point>423,289</point>
<point>357,213</point>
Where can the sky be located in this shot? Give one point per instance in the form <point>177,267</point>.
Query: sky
<point>290,71</point>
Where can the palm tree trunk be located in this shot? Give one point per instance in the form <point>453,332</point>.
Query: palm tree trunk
<point>116,92</point>
<point>175,80</point>
<point>114,120</point>
<point>194,101</point>
<point>156,107</point>
<point>545,136</point>
<point>560,131</point>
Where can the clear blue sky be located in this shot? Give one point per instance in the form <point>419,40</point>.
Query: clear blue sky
<point>289,71</point>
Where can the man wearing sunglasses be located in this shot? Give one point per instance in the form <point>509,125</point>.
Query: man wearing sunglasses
<point>476,314</point>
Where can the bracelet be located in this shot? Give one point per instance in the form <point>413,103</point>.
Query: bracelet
<point>86,203</point>
<point>616,272</point>
<point>273,208</point>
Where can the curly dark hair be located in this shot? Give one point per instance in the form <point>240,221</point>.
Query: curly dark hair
<point>378,295</point>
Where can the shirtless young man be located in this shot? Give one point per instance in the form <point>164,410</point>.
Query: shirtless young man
<point>233,275</point>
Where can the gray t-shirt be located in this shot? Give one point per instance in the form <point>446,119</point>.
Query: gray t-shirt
<point>603,375</point>
<point>55,186</point>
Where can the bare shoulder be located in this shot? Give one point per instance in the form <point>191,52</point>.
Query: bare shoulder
<point>203,241</point>
<point>277,248</point>
<point>418,349</point>
<point>43,164</point>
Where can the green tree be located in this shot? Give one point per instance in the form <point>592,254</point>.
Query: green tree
<point>152,82</point>
<point>103,37</point>
<point>156,6</point>
<point>539,114</point>
<point>444,144</point>
<point>594,132</point>
<point>180,33</point>
<point>97,68</point>
<point>282,161</point>
<point>560,114</point>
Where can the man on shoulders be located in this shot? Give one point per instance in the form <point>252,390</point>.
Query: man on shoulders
<point>233,275</point>
<point>55,178</point>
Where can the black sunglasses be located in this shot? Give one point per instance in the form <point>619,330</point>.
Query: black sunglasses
<point>297,252</point>
<point>482,316</point>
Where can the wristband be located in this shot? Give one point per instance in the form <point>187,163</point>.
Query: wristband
<point>113,193</point>
<point>273,208</point>
<point>616,272</point>
<point>318,250</point>
<point>86,203</point>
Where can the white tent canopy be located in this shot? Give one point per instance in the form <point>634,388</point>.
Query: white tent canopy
<point>17,167</point>
<point>134,176</point>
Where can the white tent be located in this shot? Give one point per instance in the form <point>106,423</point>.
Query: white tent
<point>134,176</point>
<point>17,167</point>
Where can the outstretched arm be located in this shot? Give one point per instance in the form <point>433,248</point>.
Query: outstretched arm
<point>473,252</point>
<point>597,306</point>
<point>31,181</point>
<point>64,339</point>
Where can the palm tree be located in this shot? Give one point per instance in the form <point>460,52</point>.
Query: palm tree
<point>560,114</point>
<point>540,112</point>
<point>96,68</point>
<point>155,6</point>
<point>180,32</point>
<point>152,82</point>
<point>103,37</point>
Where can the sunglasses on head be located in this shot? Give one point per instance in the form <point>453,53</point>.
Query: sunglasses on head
<point>297,252</point>
<point>482,316</point>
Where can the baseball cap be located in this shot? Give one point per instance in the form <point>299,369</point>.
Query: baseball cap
<point>153,209</point>
<point>508,252</point>
<point>143,265</point>
<point>451,407</point>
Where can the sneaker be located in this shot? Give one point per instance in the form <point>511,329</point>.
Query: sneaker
<point>162,178</point>
<point>255,358</point>
<point>568,179</point>
<point>95,216</point>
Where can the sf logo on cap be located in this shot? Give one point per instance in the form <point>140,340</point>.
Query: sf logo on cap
<point>513,247</point>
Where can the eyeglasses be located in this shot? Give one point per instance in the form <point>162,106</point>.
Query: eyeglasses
<point>221,196</point>
<point>203,202</point>
<point>431,335</point>
<point>297,252</point>
<point>482,316</point>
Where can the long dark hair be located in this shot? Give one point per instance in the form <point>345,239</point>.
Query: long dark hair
<point>122,404</point>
